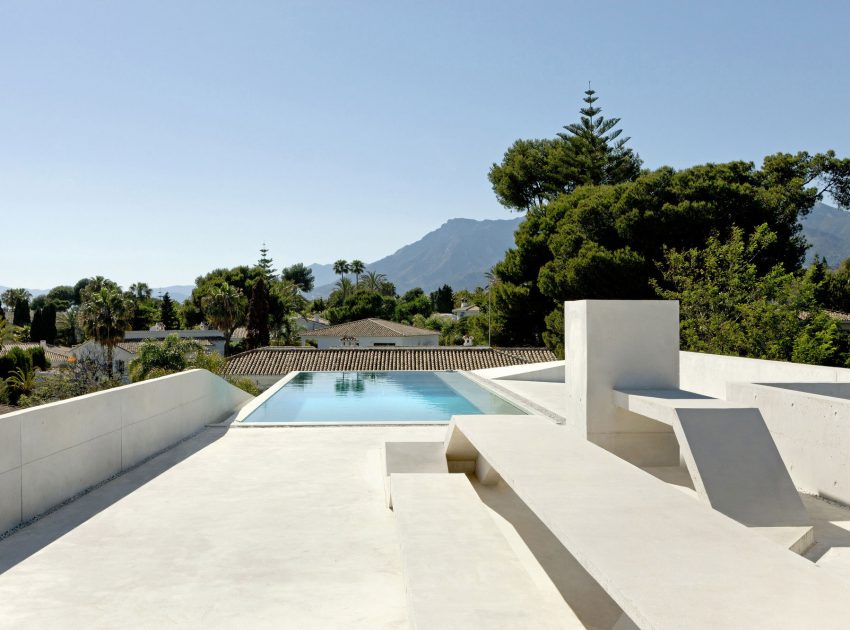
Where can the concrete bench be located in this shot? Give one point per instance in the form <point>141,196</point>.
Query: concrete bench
<point>731,456</point>
<point>459,570</point>
<point>668,561</point>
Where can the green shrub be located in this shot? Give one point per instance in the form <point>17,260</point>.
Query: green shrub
<point>245,384</point>
<point>38,358</point>
<point>13,359</point>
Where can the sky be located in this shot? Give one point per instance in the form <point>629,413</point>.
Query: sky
<point>156,140</point>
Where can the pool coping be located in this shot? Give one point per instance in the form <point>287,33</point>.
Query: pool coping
<point>237,420</point>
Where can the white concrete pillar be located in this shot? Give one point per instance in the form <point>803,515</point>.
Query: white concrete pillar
<point>626,344</point>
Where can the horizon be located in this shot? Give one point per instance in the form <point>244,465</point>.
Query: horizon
<point>328,131</point>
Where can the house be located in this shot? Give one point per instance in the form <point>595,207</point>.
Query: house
<point>366,333</point>
<point>214,339</point>
<point>57,355</point>
<point>121,356</point>
<point>311,322</point>
<point>465,310</point>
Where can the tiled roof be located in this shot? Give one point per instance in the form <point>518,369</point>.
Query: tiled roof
<point>279,360</point>
<point>55,354</point>
<point>370,328</point>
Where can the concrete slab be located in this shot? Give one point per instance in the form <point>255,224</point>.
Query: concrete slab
<point>730,454</point>
<point>411,457</point>
<point>258,528</point>
<point>672,562</point>
<point>460,572</point>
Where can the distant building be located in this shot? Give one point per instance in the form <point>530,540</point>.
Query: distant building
<point>212,338</point>
<point>465,310</point>
<point>367,333</point>
<point>311,322</point>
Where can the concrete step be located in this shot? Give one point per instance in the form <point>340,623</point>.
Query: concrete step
<point>460,572</point>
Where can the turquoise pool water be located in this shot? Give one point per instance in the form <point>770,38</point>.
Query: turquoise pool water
<point>389,397</point>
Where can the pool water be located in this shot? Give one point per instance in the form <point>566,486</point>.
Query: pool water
<point>375,397</point>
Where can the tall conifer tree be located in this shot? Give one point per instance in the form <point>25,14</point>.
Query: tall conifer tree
<point>258,316</point>
<point>168,314</point>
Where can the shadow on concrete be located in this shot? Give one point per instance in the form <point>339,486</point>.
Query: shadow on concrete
<point>31,538</point>
<point>588,600</point>
<point>828,535</point>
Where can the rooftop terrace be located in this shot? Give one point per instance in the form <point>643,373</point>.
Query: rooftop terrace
<point>625,502</point>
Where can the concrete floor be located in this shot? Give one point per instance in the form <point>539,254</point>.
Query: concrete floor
<point>243,528</point>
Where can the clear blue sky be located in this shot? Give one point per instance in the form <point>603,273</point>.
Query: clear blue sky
<point>156,140</point>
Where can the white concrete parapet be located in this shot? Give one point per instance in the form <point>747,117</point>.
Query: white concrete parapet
<point>51,452</point>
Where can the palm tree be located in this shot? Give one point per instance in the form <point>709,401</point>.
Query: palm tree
<point>357,267</point>
<point>7,333</point>
<point>345,288</point>
<point>22,381</point>
<point>373,281</point>
<point>141,291</point>
<point>225,307</point>
<point>105,314</point>
<point>341,267</point>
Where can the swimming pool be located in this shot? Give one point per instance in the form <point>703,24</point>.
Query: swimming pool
<point>377,397</point>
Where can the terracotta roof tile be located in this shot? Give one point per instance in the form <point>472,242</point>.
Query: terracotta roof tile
<point>281,360</point>
<point>370,328</point>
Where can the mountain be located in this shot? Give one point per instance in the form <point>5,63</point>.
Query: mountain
<point>828,230</point>
<point>458,253</point>
<point>177,292</point>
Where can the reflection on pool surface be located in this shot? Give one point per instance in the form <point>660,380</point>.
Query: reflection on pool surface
<point>365,397</point>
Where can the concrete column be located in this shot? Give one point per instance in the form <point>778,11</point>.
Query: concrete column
<point>625,344</point>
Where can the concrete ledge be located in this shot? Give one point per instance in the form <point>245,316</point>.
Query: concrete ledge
<point>459,570</point>
<point>410,457</point>
<point>673,563</point>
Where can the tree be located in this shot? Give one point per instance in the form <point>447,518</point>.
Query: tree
<point>168,314</point>
<point>341,267</point>
<point>22,313</point>
<point>141,291</point>
<point>258,316</point>
<point>158,358</point>
<point>105,314</point>
<point>343,290</point>
<point>727,306</point>
<point>535,172</point>
<point>362,304</point>
<point>78,290</point>
<point>442,300</point>
<point>7,334</point>
<point>300,276</point>
<point>606,241</point>
<point>373,281</point>
<point>224,307</point>
<point>61,297</point>
<point>357,267</point>
<point>11,297</point>
<point>48,323</point>
<point>266,264</point>
<point>36,333</point>
<point>412,303</point>
<point>597,154</point>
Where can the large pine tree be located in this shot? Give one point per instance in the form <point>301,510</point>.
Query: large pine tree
<point>266,264</point>
<point>599,155</point>
<point>48,323</point>
<point>258,316</point>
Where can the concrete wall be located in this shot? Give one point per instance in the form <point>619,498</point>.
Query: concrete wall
<point>709,373</point>
<point>811,430</point>
<point>805,407</point>
<point>51,452</point>
<point>621,344</point>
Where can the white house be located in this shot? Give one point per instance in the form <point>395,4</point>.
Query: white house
<point>465,310</point>
<point>365,333</point>
<point>311,322</point>
<point>212,338</point>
